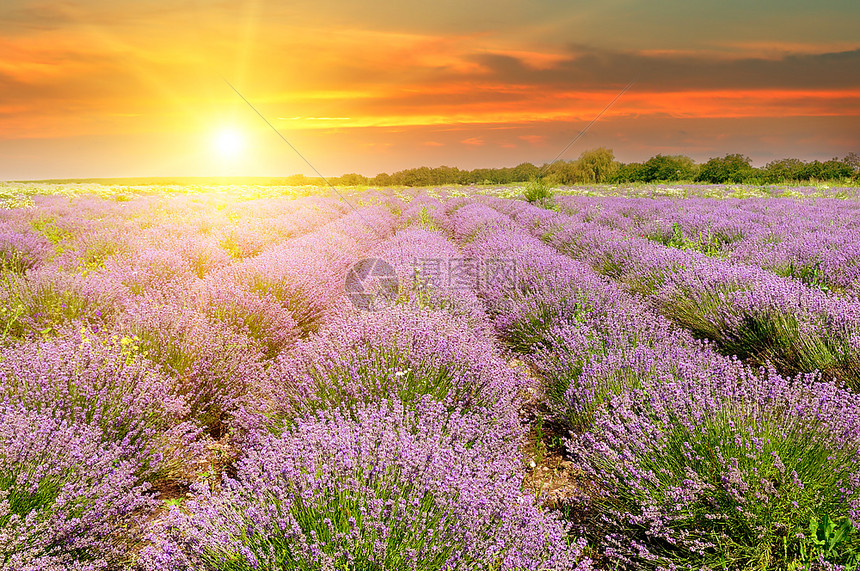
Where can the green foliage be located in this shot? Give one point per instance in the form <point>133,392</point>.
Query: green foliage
<point>598,165</point>
<point>793,469</point>
<point>707,242</point>
<point>730,168</point>
<point>351,179</point>
<point>538,192</point>
<point>426,221</point>
<point>236,245</point>
<point>667,168</point>
<point>545,441</point>
<point>783,170</point>
<point>828,539</point>
<point>23,502</point>
<point>10,320</point>
<point>12,261</point>
<point>95,255</point>
<point>593,166</point>
<point>629,172</point>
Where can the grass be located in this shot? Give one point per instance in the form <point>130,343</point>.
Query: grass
<point>538,191</point>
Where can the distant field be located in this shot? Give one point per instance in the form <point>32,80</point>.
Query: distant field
<point>245,374</point>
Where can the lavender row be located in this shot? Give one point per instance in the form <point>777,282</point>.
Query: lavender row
<point>212,335</point>
<point>376,486</point>
<point>386,439</point>
<point>79,261</point>
<point>745,310</point>
<point>130,392</point>
<point>813,241</point>
<point>578,329</point>
<point>693,460</point>
<point>86,231</point>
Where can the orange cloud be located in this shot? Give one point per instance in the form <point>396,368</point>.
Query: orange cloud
<point>534,139</point>
<point>475,141</point>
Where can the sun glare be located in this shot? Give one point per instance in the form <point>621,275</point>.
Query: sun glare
<point>229,143</point>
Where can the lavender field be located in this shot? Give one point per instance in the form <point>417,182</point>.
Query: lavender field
<point>267,378</point>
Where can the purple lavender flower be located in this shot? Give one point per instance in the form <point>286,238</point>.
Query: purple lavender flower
<point>106,381</point>
<point>67,500</point>
<point>361,357</point>
<point>731,467</point>
<point>379,486</point>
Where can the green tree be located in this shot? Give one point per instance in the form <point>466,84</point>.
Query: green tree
<point>853,160</point>
<point>667,168</point>
<point>524,172</point>
<point>630,172</point>
<point>730,168</point>
<point>783,170</point>
<point>382,179</point>
<point>351,179</point>
<point>597,165</point>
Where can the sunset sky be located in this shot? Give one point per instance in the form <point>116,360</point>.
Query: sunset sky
<point>105,88</point>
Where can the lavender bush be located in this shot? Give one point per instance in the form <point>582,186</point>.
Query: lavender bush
<point>606,353</point>
<point>67,500</point>
<point>151,270</point>
<point>20,251</point>
<point>100,380</point>
<point>399,353</point>
<point>374,488</point>
<point>46,300</point>
<point>422,260</point>
<point>726,472</point>
<point>262,317</point>
<point>212,365</point>
<point>393,440</point>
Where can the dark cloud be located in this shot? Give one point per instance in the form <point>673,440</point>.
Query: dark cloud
<point>37,16</point>
<point>595,68</point>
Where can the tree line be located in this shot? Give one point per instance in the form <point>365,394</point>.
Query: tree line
<point>599,166</point>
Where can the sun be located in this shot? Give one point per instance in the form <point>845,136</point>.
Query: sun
<point>228,143</point>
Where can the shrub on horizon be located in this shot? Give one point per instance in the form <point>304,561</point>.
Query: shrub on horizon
<point>538,192</point>
<point>730,168</point>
